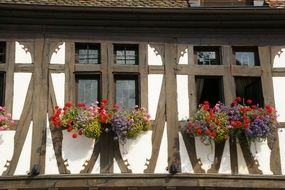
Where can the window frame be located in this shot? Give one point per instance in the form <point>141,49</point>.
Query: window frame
<point>134,47</point>
<point>3,45</point>
<point>88,76</point>
<point>127,76</point>
<point>215,49</point>
<point>97,45</point>
<point>253,49</point>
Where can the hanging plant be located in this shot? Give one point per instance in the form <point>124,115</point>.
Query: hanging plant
<point>6,121</point>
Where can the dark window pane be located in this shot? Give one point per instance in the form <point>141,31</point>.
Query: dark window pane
<point>246,56</point>
<point>209,89</point>
<point>126,54</point>
<point>2,52</point>
<point>207,55</point>
<point>87,89</point>
<point>2,86</point>
<point>250,88</point>
<point>126,91</point>
<point>87,53</point>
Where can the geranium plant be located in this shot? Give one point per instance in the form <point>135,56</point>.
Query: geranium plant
<point>218,123</point>
<point>210,124</point>
<point>101,118</point>
<point>5,119</point>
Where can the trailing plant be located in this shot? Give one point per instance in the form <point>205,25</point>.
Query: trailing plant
<point>5,119</point>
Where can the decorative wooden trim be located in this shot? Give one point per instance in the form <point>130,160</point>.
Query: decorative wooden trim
<point>69,94</point>
<point>53,48</point>
<point>142,181</point>
<point>21,132</point>
<point>158,128</point>
<point>143,70</point>
<point>89,164</point>
<point>39,104</point>
<point>9,94</point>
<point>268,93</point>
<point>230,94</point>
<point>29,46</point>
<point>191,150</point>
<point>252,164</point>
<point>171,106</point>
<point>56,134</point>
<point>219,149</point>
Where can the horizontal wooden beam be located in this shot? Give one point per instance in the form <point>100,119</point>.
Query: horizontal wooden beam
<point>87,67</point>
<point>156,69</point>
<point>24,67</point>
<point>144,180</point>
<point>278,72</point>
<point>56,68</point>
<point>246,71</point>
<point>126,68</point>
<point>200,70</point>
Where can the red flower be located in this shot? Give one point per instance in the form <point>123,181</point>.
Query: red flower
<point>81,104</point>
<point>234,103</point>
<point>74,135</point>
<point>69,129</point>
<point>214,134</point>
<point>104,101</point>
<point>116,106</point>
<point>253,107</point>
<point>68,104</point>
<point>208,132</point>
<point>199,131</point>
<point>249,101</point>
<point>80,132</point>
<point>238,99</point>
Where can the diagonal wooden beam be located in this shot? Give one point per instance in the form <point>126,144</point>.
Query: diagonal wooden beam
<point>21,132</point>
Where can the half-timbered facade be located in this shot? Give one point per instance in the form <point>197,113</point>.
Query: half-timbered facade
<point>167,56</point>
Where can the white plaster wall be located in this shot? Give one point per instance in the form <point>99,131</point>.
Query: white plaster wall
<point>205,153</point>
<point>21,84</point>
<point>261,152</point>
<point>96,168</point>
<point>242,168</point>
<point>58,80</point>
<point>225,167</point>
<point>182,97</point>
<point>186,166</point>
<point>137,150</point>
<point>58,57</point>
<point>6,148</point>
<point>183,58</point>
<point>154,89</point>
<point>279,60</point>
<point>282,148</point>
<point>162,162</point>
<point>153,57</point>
<point>22,55</point>
<point>25,158</point>
<point>77,151</point>
<point>279,96</point>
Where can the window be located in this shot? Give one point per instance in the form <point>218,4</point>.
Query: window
<point>2,52</point>
<point>209,88</point>
<point>250,88</point>
<point>87,53</point>
<point>246,56</point>
<point>207,55</point>
<point>126,54</point>
<point>126,90</point>
<point>88,88</point>
<point>2,88</point>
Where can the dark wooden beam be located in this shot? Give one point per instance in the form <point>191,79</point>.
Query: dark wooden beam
<point>144,181</point>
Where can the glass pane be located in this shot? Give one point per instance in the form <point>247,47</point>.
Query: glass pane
<point>250,88</point>
<point>245,58</point>
<point>120,57</point>
<point>209,89</point>
<point>87,91</point>
<point>93,57</point>
<point>83,55</point>
<point>126,93</point>
<point>207,58</point>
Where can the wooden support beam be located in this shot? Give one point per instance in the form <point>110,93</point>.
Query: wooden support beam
<point>143,70</point>
<point>110,77</point>
<point>268,94</point>
<point>126,68</point>
<point>104,69</point>
<point>87,67</point>
<point>9,84</point>
<point>21,132</point>
<point>40,91</point>
<point>69,93</point>
<point>171,106</point>
<point>230,94</point>
<point>158,128</point>
<point>238,70</point>
<point>24,67</point>
<point>156,69</point>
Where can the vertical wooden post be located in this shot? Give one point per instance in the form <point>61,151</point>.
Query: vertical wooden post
<point>10,65</point>
<point>104,69</point>
<point>268,94</point>
<point>230,94</point>
<point>69,93</point>
<point>40,77</point>
<point>110,77</point>
<point>171,106</point>
<point>143,69</point>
